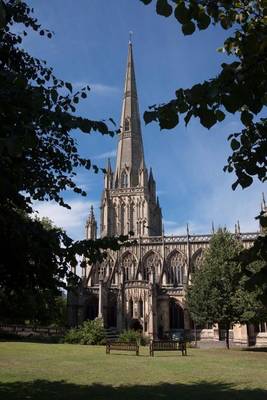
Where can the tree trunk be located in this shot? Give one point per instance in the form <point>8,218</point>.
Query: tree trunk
<point>227,336</point>
<point>195,332</point>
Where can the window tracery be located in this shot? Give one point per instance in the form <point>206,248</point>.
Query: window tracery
<point>128,265</point>
<point>176,269</point>
<point>124,179</point>
<point>151,265</point>
<point>197,260</point>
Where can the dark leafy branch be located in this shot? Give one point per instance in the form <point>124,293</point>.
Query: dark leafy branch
<point>38,161</point>
<point>240,87</point>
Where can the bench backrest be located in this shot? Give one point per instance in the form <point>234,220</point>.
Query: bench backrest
<point>167,345</point>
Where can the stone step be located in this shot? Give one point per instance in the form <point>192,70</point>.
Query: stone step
<point>112,334</point>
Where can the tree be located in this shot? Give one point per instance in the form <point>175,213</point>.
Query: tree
<point>217,293</point>
<point>240,87</point>
<point>38,161</point>
<point>250,299</point>
<point>254,262</point>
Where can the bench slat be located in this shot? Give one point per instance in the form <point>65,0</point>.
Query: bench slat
<point>125,346</point>
<point>167,345</point>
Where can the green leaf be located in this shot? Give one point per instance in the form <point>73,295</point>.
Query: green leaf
<point>182,14</point>
<point>183,107</point>
<point>168,118</point>
<point>2,16</point>
<point>68,86</point>
<point>245,180</point>
<point>203,21</point>
<point>235,144</point>
<point>235,184</point>
<point>54,95</point>
<point>225,22</point>
<point>150,116</point>
<point>188,117</point>
<point>163,8</point>
<point>246,118</point>
<point>207,118</point>
<point>112,121</point>
<point>229,103</point>
<point>188,28</point>
<point>220,115</point>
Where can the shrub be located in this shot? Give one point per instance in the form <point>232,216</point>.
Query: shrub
<point>133,336</point>
<point>73,336</point>
<point>90,332</point>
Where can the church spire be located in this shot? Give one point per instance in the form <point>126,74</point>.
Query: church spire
<point>91,225</point>
<point>130,154</point>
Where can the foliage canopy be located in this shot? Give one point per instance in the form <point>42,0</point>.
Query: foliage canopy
<point>38,161</point>
<point>240,86</point>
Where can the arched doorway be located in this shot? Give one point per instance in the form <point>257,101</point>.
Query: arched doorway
<point>136,325</point>
<point>112,311</point>
<point>176,315</point>
<point>92,308</point>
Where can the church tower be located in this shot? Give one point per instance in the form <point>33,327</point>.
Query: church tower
<point>129,202</point>
<point>91,226</point>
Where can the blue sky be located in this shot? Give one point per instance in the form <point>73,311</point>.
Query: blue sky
<point>90,47</point>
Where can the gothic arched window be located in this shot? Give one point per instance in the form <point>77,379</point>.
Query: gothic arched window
<point>128,265</point>
<point>122,219</point>
<point>151,265</point>
<point>176,269</point>
<point>197,260</point>
<point>124,179</point>
<point>104,270</point>
<point>131,212</point>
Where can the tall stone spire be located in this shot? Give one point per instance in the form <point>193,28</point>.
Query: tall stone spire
<point>129,202</point>
<point>130,153</point>
<point>91,225</point>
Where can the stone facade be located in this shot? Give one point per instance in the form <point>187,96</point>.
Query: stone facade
<point>142,286</point>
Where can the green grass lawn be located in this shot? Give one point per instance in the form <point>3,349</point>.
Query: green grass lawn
<point>61,371</point>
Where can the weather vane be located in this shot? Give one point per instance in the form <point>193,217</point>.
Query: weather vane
<point>130,36</point>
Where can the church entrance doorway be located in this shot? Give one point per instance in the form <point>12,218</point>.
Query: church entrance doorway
<point>176,315</point>
<point>92,308</point>
<point>136,325</point>
<point>112,311</point>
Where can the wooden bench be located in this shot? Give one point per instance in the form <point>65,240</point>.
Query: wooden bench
<point>167,345</point>
<point>125,346</point>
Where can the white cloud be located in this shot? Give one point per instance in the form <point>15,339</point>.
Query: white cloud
<point>72,221</point>
<point>107,154</point>
<point>225,206</point>
<point>169,223</point>
<point>97,88</point>
<point>176,229</point>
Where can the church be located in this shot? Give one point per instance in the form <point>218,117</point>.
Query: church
<point>142,286</point>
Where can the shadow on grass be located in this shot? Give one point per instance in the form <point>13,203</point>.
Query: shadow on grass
<point>31,339</point>
<point>59,390</point>
<point>256,349</point>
